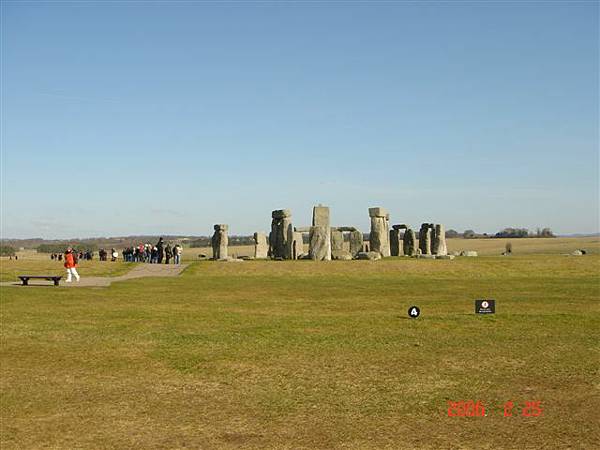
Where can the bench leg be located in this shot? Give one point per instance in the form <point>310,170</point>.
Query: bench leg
<point>56,282</point>
<point>25,281</point>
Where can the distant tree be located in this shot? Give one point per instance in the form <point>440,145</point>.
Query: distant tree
<point>7,250</point>
<point>513,233</point>
<point>547,233</point>
<point>452,234</point>
<point>469,234</point>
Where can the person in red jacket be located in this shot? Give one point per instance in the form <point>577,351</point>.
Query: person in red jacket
<point>70,265</point>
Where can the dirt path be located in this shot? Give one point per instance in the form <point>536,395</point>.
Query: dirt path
<point>139,271</point>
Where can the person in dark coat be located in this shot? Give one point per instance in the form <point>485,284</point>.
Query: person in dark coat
<point>161,250</point>
<point>168,254</point>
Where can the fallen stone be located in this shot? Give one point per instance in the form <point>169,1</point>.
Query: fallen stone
<point>343,255</point>
<point>577,253</point>
<point>468,253</point>
<point>445,257</point>
<point>371,256</point>
<point>422,256</point>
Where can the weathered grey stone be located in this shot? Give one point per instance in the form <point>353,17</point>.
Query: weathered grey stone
<point>279,238</point>
<point>337,240</point>
<point>281,213</point>
<point>425,239</point>
<point>346,229</point>
<point>378,212</point>
<point>302,229</point>
<point>320,216</point>
<point>395,243</point>
<point>261,247</point>
<point>444,257</point>
<point>320,244</point>
<point>468,253</point>
<point>372,256</point>
<point>455,253</point>
<point>400,227</point>
<point>343,255</point>
<point>439,240</point>
<point>320,235</point>
<point>219,242</point>
<point>576,253</point>
<point>297,249</point>
<point>422,256</point>
<point>356,242</point>
<point>379,238</point>
<point>409,243</point>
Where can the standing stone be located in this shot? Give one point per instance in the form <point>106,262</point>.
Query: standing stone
<point>379,238</point>
<point>337,245</point>
<point>279,238</point>
<point>319,244</point>
<point>320,216</point>
<point>439,241</point>
<point>297,245</point>
<point>219,242</point>
<point>409,242</point>
<point>356,242</point>
<point>320,235</point>
<point>395,248</point>
<point>337,240</point>
<point>425,239</point>
<point>261,247</point>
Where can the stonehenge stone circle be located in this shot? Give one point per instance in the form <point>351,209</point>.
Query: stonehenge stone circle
<point>326,242</point>
<point>219,242</point>
<point>379,236</point>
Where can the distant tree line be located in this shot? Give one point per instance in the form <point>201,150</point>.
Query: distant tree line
<point>60,248</point>
<point>7,250</point>
<point>524,233</point>
<point>204,241</point>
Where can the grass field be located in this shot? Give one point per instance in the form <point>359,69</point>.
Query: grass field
<point>297,354</point>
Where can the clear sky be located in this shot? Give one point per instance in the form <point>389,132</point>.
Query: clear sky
<point>123,118</point>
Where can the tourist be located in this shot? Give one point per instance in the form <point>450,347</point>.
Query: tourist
<point>168,254</point>
<point>71,264</point>
<point>177,251</point>
<point>161,250</point>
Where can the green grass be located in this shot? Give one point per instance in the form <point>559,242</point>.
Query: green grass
<point>307,355</point>
<point>39,265</point>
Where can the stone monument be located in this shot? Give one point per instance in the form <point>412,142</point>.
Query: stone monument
<point>261,246</point>
<point>219,242</point>
<point>379,236</point>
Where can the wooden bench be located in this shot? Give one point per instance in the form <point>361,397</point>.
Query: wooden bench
<point>25,278</point>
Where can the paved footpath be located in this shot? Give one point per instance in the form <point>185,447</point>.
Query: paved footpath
<point>139,271</point>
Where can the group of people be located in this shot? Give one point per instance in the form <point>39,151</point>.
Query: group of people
<point>154,254</point>
<point>104,254</point>
<point>88,255</point>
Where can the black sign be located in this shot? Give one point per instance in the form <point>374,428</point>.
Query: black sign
<point>414,312</point>
<point>485,306</point>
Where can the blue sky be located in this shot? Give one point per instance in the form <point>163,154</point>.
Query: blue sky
<point>123,118</point>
